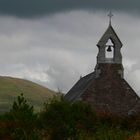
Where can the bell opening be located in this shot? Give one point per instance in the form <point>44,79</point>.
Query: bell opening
<point>109,50</point>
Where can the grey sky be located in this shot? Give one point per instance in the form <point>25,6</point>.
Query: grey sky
<point>56,50</point>
<point>35,8</point>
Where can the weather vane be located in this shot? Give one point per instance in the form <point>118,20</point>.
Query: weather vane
<point>110,15</point>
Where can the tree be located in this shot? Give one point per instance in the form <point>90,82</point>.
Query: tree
<point>23,120</point>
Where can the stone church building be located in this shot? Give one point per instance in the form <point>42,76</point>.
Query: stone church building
<point>105,88</point>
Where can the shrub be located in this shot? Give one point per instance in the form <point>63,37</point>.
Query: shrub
<point>63,120</point>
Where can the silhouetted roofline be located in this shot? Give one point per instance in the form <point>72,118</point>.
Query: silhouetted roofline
<point>77,90</point>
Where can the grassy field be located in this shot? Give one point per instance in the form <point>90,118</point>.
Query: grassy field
<point>10,88</point>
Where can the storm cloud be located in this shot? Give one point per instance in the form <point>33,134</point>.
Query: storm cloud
<point>55,51</point>
<point>53,42</point>
<point>37,8</point>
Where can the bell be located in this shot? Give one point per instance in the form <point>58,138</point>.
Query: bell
<point>109,49</point>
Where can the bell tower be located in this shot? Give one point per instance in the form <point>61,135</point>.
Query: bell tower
<point>109,49</point>
<point>105,88</point>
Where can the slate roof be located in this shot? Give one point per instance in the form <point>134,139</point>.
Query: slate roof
<point>135,109</point>
<point>78,89</point>
<point>107,93</point>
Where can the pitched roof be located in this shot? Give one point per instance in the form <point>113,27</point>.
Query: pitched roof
<point>109,92</point>
<point>79,88</point>
<point>109,34</point>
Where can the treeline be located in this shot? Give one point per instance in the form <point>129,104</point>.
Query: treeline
<point>61,120</point>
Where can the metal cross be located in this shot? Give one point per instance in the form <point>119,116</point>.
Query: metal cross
<point>110,17</point>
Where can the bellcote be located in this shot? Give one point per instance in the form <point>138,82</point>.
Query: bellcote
<point>109,47</point>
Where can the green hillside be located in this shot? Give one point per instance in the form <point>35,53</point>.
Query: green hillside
<point>10,88</point>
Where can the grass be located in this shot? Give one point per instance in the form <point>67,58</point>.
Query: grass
<point>10,88</point>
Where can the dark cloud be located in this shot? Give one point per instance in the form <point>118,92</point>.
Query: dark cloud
<point>34,8</point>
<point>55,51</point>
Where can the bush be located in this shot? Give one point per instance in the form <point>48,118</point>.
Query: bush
<point>63,120</point>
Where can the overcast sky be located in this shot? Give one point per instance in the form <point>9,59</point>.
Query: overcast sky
<point>53,42</point>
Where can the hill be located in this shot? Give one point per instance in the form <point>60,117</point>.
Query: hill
<point>10,88</point>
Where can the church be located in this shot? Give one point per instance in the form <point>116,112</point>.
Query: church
<point>105,88</point>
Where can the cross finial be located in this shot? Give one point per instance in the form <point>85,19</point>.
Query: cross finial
<point>110,17</point>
